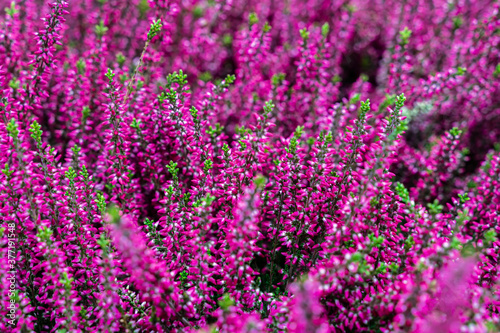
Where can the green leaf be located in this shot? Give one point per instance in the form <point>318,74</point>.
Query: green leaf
<point>304,34</point>
<point>155,29</point>
<point>12,10</point>
<point>226,302</point>
<point>252,19</point>
<point>404,36</point>
<point>36,132</point>
<point>110,75</point>
<point>100,29</point>
<point>325,29</point>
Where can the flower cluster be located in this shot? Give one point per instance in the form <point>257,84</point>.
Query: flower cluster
<point>250,166</point>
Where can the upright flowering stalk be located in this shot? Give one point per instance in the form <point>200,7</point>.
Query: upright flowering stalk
<point>151,278</point>
<point>115,170</point>
<point>251,46</point>
<point>44,57</point>
<point>111,307</point>
<point>55,287</point>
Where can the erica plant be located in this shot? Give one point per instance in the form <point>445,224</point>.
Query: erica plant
<point>250,166</point>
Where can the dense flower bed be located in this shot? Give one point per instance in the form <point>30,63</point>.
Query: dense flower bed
<point>250,166</point>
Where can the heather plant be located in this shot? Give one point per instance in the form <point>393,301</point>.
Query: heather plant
<point>249,166</point>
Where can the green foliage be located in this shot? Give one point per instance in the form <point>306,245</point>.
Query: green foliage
<point>100,29</point>
<point>365,107</point>
<point>44,233</point>
<point>376,241</point>
<point>110,75</point>
<point>463,216</point>
<point>76,150</point>
<point>468,250</point>
<point>177,77</point>
<point>356,257</point>
<point>228,81</point>
<point>101,202</point>
<point>169,191</point>
<point>84,173</point>
<point>66,281</point>
<point>266,27</point>
<point>36,132</point>
<point>120,59</point>
<point>464,198</point>
<point>325,29</point>
<point>471,184</point>
<point>292,146</point>
<point>461,71</point>
<point>496,73</point>
<point>208,165</point>
<point>171,96</point>
<point>457,22</point>
<point>215,131</point>
<point>329,138</point>
<point>12,10</point>
<point>225,302</point>
<point>404,36</point>
<point>268,108</point>
<point>455,243</point>
<point>114,214</point>
<point>389,100</point>
<point>435,208</point>
<point>400,101</point>
<point>252,19</point>
<point>336,79</point>
<point>227,40</point>
<point>399,126</point>
<point>348,244</point>
<point>80,66</point>
<point>172,168</point>
<point>299,131</point>
<point>155,29</point>
<point>103,242</point>
<point>409,242</point>
<point>455,132</point>
<point>259,181</point>
<point>304,34</point>
<point>354,99</point>
<point>205,76</point>
<point>277,79</point>
<point>490,236</point>
<point>143,7</point>
<point>381,269</point>
<point>204,202</point>
<point>243,145</point>
<point>123,78</point>
<point>13,129</point>
<point>194,114</point>
<point>350,8</point>
<point>225,148</point>
<point>197,12</point>
<point>7,171</point>
<point>491,327</point>
<point>136,124</point>
<point>70,174</point>
<point>14,84</point>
